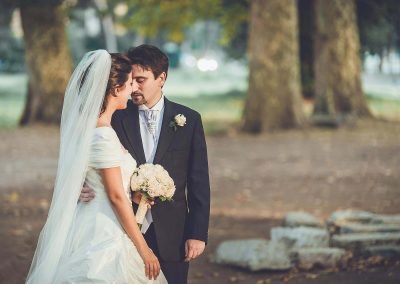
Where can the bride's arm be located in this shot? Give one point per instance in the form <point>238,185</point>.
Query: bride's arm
<point>113,183</point>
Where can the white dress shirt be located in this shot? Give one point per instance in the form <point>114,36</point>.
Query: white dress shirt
<point>150,143</point>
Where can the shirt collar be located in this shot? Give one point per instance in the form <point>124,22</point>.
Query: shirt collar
<point>158,106</point>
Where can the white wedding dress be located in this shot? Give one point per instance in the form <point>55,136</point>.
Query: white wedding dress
<point>97,248</point>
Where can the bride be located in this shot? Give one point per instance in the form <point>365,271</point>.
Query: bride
<point>98,242</point>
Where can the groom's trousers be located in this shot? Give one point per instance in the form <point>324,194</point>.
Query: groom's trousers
<point>175,272</point>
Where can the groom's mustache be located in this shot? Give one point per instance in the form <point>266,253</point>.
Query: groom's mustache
<point>137,94</point>
<point>138,98</point>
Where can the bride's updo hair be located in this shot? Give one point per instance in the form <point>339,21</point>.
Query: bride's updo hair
<point>121,69</point>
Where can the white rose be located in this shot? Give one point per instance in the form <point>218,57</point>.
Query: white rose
<point>154,180</point>
<point>180,120</point>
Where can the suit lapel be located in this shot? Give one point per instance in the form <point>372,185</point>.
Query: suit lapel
<point>167,132</point>
<point>132,131</point>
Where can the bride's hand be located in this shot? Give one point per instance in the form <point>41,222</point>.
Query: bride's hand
<point>136,196</point>
<point>151,263</point>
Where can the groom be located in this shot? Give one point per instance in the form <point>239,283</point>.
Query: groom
<point>176,231</point>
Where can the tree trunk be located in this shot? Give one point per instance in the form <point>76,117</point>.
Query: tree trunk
<point>273,100</point>
<point>306,41</point>
<point>337,61</point>
<point>47,59</point>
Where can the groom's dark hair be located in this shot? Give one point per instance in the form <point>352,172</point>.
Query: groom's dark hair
<point>149,57</point>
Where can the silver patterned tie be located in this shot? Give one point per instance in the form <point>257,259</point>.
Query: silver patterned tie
<point>151,121</point>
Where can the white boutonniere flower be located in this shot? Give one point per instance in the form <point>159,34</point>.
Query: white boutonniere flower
<point>179,120</point>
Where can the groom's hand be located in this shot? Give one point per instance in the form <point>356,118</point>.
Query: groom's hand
<point>193,248</point>
<point>87,194</point>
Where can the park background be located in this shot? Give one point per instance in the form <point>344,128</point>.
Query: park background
<point>300,102</point>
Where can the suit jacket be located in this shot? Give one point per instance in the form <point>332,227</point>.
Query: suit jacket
<point>183,153</point>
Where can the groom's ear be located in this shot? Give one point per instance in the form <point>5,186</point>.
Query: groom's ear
<point>162,78</point>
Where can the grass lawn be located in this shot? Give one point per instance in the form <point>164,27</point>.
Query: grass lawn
<point>220,112</point>
<point>384,108</point>
<point>12,99</point>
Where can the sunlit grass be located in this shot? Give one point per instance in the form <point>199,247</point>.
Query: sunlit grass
<point>12,99</point>
<point>384,108</point>
<point>220,112</point>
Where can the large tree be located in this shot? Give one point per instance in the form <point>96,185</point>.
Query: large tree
<point>47,59</point>
<point>273,99</point>
<point>337,63</point>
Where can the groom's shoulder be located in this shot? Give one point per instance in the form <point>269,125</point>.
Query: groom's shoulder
<point>186,111</point>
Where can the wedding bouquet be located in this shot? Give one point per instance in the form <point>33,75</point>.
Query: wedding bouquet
<point>152,181</point>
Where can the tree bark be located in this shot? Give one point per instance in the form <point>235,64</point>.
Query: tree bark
<point>273,100</point>
<point>306,42</point>
<point>47,60</point>
<point>337,61</point>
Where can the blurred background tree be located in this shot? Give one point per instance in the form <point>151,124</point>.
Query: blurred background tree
<point>212,35</point>
<point>337,61</point>
<point>11,48</point>
<point>274,98</point>
<point>272,103</point>
<point>47,59</point>
<point>306,9</point>
<point>379,26</point>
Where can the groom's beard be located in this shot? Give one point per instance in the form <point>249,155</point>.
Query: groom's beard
<point>138,99</point>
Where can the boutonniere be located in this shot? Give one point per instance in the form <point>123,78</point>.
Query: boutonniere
<point>178,120</point>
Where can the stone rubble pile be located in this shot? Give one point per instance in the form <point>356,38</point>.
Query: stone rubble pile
<point>306,242</point>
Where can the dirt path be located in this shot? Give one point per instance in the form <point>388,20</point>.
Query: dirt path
<point>255,181</point>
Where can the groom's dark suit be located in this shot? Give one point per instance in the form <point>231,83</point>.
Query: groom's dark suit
<point>183,153</point>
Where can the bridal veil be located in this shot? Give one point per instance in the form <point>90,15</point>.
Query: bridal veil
<point>82,103</point>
